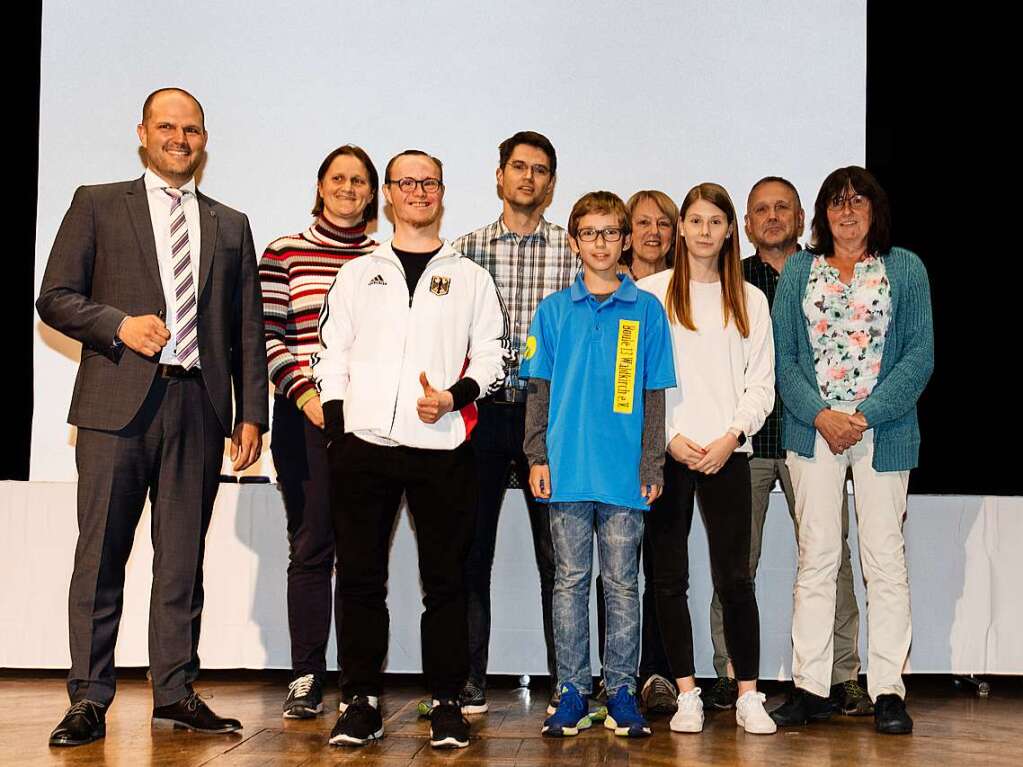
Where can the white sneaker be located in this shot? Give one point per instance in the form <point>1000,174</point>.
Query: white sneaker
<point>751,716</point>
<point>689,717</point>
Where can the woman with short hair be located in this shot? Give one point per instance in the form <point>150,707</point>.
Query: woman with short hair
<point>855,348</point>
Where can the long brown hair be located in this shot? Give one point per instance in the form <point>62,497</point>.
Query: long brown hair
<point>733,290</point>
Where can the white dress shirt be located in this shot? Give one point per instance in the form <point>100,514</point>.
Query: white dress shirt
<point>159,214</point>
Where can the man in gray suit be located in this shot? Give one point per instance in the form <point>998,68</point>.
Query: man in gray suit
<point>159,284</point>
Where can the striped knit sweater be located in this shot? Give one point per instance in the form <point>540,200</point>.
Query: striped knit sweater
<point>295,273</point>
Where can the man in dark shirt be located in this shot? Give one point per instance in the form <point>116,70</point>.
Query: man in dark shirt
<point>774,222</point>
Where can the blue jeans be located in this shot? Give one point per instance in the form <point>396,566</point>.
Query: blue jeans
<point>619,534</point>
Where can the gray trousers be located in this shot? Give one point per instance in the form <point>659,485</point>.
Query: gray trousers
<point>171,451</point>
<point>763,473</point>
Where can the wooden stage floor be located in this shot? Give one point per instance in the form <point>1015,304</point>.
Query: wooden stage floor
<point>953,728</point>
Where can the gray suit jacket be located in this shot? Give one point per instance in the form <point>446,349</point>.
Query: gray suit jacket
<point>103,267</point>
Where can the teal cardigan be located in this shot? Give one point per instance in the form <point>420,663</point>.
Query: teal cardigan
<point>906,363</point>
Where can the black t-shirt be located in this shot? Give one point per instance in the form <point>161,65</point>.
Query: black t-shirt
<point>414,265</point>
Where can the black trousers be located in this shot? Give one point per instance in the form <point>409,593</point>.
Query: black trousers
<point>303,476</point>
<point>367,483</point>
<point>497,445</point>
<point>652,659</point>
<point>725,505</point>
<point>171,450</point>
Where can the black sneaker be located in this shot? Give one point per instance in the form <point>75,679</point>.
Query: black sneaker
<point>473,698</point>
<point>801,708</point>
<point>890,715</point>
<point>305,698</point>
<point>722,695</point>
<point>850,699</point>
<point>659,695</point>
<point>448,728</point>
<point>358,724</point>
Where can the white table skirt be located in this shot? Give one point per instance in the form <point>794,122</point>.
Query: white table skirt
<point>965,562</point>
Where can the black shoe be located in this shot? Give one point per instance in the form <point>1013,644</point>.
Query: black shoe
<point>473,698</point>
<point>722,695</point>
<point>448,728</point>
<point>358,724</point>
<point>305,698</point>
<point>890,715</point>
<point>659,695</point>
<point>192,713</point>
<point>850,699</point>
<point>801,708</point>
<point>83,723</point>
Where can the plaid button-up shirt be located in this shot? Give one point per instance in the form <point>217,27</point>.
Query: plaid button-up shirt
<point>526,270</point>
<point>767,441</point>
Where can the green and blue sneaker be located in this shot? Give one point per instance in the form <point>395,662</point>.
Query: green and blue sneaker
<point>623,715</point>
<point>570,716</point>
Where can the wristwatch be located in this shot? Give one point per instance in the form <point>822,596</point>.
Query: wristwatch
<point>740,436</point>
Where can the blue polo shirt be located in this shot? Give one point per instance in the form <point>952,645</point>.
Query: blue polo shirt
<point>599,358</point>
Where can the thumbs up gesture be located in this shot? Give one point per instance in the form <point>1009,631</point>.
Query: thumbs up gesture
<point>433,404</point>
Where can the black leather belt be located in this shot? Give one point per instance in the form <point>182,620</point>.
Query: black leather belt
<point>509,396</point>
<point>176,371</point>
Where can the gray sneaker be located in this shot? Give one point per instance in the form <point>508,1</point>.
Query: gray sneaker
<point>659,695</point>
<point>473,698</point>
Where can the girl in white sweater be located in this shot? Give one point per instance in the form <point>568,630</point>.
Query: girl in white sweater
<point>724,365</point>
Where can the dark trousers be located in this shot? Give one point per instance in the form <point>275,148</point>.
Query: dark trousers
<point>652,659</point>
<point>303,476</point>
<point>497,445</point>
<point>726,511</point>
<point>171,450</point>
<point>367,482</point>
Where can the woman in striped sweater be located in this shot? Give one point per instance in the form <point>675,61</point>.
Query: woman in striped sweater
<point>295,272</point>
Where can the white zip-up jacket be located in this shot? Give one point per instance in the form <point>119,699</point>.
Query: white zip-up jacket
<point>374,343</point>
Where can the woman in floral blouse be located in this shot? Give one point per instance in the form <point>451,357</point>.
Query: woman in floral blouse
<point>855,348</point>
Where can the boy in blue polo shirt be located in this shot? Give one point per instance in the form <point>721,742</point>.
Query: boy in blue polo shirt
<point>598,358</point>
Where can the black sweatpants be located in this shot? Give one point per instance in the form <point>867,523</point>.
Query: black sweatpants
<point>367,483</point>
<point>726,508</point>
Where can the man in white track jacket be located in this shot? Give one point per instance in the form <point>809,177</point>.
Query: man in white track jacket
<point>411,335</point>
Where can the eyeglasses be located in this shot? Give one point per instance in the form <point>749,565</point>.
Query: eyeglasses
<point>609,233</point>
<point>856,201</point>
<point>409,184</point>
<point>541,171</point>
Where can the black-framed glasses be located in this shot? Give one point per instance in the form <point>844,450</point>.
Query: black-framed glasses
<point>609,233</point>
<point>541,171</point>
<point>409,184</point>
<point>856,201</point>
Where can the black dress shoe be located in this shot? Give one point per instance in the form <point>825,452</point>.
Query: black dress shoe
<point>83,723</point>
<point>801,708</point>
<point>192,713</point>
<point>890,715</point>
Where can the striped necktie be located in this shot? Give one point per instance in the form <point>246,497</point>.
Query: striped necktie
<point>186,315</point>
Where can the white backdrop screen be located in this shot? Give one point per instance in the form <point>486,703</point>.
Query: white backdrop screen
<point>661,94</point>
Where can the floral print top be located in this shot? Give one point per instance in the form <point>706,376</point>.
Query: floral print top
<point>847,326</point>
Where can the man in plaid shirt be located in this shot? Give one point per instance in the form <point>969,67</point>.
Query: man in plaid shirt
<point>529,258</point>
<point>774,222</point>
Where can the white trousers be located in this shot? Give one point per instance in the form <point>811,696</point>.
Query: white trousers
<point>880,499</point>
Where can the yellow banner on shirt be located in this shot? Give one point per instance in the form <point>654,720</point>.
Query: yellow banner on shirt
<point>625,365</point>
